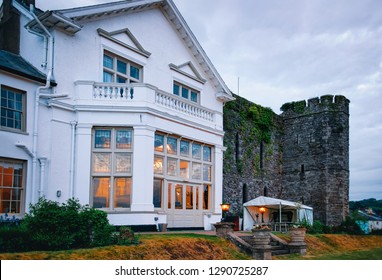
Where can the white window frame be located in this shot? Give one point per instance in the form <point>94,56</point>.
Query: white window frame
<point>180,177</point>
<point>189,90</point>
<point>114,71</point>
<point>5,108</point>
<point>112,173</point>
<point>13,162</point>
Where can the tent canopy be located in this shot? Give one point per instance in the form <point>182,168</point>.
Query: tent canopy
<point>274,203</point>
<point>274,213</point>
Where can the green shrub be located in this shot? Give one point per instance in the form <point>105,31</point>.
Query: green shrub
<point>126,236</point>
<point>67,226</point>
<point>14,239</point>
<point>349,226</point>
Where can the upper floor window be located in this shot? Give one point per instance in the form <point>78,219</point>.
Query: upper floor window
<point>119,70</point>
<point>186,92</point>
<point>12,108</point>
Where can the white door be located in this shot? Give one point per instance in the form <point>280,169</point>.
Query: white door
<point>183,205</point>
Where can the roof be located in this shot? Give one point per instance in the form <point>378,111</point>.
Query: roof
<point>70,20</point>
<point>270,202</point>
<point>369,217</point>
<point>17,65</point>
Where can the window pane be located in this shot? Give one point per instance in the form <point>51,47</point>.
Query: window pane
<point>101,188</point>
<point>107,77</point>
<point>207,153</point>
<point>102,139</point>
<point>101,162</point>
<point>196,151</point>
<point>185,148</point>
<point>179,197</point>
<point>175,89</point>
<point>108,61</point>
<point>134,72</point>
<point>207,173</point>
<point>196,171</point>
<point>171,167</point>
<point>194,96</point>
<point>123,139</point>
<point>206,197</point>
<point>197,189</point>
<point>184,169</point>
<point>122,192</point>
<point>169,196</point>
<point>158,165</point>
<point>172,145</point>
<point>121,80</point>
<point>121,67</point>
<point>157,195</point>
<point>189,197</point>
<point>184,92</point>
<point>123,163</point>
<point>158,143</point>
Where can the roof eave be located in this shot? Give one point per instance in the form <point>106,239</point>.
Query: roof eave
<point>187,35</point>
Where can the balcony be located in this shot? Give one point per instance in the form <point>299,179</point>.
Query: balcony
<point>139,95</point>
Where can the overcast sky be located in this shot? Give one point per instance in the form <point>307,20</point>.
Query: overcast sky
<point>290,50</point>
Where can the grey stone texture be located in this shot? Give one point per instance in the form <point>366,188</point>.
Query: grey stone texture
<point>301,155</point>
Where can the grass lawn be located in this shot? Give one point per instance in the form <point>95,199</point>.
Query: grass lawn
<point>152,247</point>
<point>183,246</point>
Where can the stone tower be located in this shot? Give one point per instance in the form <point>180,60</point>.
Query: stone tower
<point>316,156</point>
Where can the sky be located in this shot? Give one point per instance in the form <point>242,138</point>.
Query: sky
<point>276,51</point>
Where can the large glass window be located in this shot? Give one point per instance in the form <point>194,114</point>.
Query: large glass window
<point>12,109</point>
<point>112,167</point>
<point>11,185</point>
<point>119,70</point>
<point>183,160</point>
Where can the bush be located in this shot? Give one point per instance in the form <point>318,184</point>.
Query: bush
<point>67,226</point>
<point>14,239</point>
<point>349,226</point>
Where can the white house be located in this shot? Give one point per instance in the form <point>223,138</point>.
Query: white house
<point>126,114</point>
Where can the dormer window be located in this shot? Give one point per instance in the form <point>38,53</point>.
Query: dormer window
<point>119,70</point>
<point>186,92</point>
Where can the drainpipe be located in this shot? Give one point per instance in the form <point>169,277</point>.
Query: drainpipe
<point>37,104</point>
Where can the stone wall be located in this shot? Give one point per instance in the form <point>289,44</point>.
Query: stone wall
<point>301,155</point>
<point>252,161</point>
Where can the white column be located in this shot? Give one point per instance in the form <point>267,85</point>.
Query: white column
<point>143,160</point>
<point>81,188</point>
<point>218,193</point>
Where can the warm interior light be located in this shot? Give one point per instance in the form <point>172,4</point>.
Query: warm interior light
<point>262,209</point>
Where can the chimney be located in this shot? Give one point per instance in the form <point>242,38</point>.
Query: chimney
<point>10,28</point>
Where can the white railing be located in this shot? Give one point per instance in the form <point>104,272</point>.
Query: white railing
<point>176,103</point>
<point>140,94</point>
<point>113,91</point>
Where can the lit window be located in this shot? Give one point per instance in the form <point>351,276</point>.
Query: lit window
<point>12,109</point>
<point>11,185</point>
<point>119,70</point>
<point>186,92</point>
<point>182,161</point>
<point>112,167</point>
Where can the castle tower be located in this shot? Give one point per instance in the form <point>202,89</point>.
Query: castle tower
<point>316,156</point>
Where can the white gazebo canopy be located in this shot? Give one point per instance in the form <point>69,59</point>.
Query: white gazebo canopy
<point>277,212</point>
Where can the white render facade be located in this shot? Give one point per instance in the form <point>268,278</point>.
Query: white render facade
<point>133,127</point>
